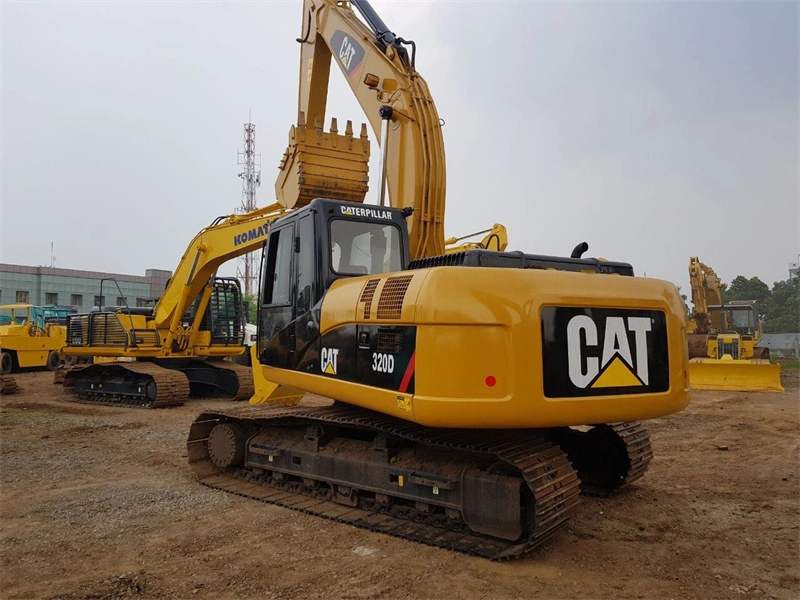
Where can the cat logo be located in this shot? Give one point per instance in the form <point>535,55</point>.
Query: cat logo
<point>347,50</point>
<point>329,358</point>
<point>615,367</point>
<point>598,351</point>
<point>359,211</point>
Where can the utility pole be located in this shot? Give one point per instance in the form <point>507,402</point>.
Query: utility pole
<point>248,267</point>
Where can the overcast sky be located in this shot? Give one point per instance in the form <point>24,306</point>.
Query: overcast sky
<point>654,131</point>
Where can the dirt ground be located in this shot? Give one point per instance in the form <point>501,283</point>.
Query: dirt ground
<point>99,502</point>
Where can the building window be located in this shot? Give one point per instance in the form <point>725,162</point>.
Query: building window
<point>76,300</point>
<point>140,302</point>
<point>22,297</point>
<point>99,300</point>
<point>50,298</point>
<point>121,301</point>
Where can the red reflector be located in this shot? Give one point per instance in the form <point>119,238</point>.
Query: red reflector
<point>490,381</point>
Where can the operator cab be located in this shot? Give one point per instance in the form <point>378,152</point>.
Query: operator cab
<point>306,252</point>
<point>739,318</point>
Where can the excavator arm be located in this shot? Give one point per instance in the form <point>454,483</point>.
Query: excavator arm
<point>226,238</point>
<point>396,100</point>
<point>706,291</point>
<point>168,332</point>
<point>157,357</point>
<point>496,238</point>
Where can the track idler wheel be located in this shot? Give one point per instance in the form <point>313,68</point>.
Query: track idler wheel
<point>608,457</point>
<point>601,460</point>
<point>226,445</point>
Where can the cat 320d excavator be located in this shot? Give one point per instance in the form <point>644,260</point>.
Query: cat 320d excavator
<point>476,392</point>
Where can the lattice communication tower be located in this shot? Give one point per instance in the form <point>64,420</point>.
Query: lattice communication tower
<point>248,266</point>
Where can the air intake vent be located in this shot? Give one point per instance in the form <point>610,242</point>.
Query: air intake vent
<point>731,348</point>
<point>390,304</point>
<point>456,259</point>
<point>519,260</point>
<point>367,295</point>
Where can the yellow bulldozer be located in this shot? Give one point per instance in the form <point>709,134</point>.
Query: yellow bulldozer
<point>723,338</point>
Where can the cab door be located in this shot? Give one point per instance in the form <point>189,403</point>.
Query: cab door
<point>307,306</point>
<point>276,338</point>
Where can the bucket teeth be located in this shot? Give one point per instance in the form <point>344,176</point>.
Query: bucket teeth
<point>323,164</point>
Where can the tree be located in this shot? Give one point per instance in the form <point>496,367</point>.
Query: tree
<point>251,310</point>
<point>783,307</point>
<point>742,288</point>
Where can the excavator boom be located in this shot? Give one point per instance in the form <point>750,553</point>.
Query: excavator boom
<point>396,101</point>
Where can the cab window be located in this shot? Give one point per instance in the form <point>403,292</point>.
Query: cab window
<point>362,248</point>
<point>278,279</point>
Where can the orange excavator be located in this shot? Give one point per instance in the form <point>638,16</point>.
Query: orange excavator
<point>474,394</point>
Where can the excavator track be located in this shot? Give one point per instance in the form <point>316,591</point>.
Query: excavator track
<point>608,457</point>
<point>546,484</point>
<point>247,387</point>
<point>8,385</point>
<point>134,384</point>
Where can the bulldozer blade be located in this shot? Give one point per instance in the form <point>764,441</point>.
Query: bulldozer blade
<point>734,375</point>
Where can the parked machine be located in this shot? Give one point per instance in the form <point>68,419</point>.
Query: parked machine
<point>722,339</point>
<point>160,355</point>
<point>477,392</point>
<point>31,336</point>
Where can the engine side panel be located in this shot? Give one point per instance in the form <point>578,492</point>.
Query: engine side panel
<point>503,348</point>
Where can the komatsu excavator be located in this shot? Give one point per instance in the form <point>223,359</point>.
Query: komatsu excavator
<point>163,354</point>
<point>476,393</point>
<point>722,339</point>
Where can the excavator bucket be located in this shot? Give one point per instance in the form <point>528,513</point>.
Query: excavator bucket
<point>698,345</point>
<point>734,375</point>
<point>321,164</point>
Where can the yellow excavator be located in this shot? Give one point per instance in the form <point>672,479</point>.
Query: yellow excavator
<point>158,356</point>
<point>476,393</point>
<point>722,339</point>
